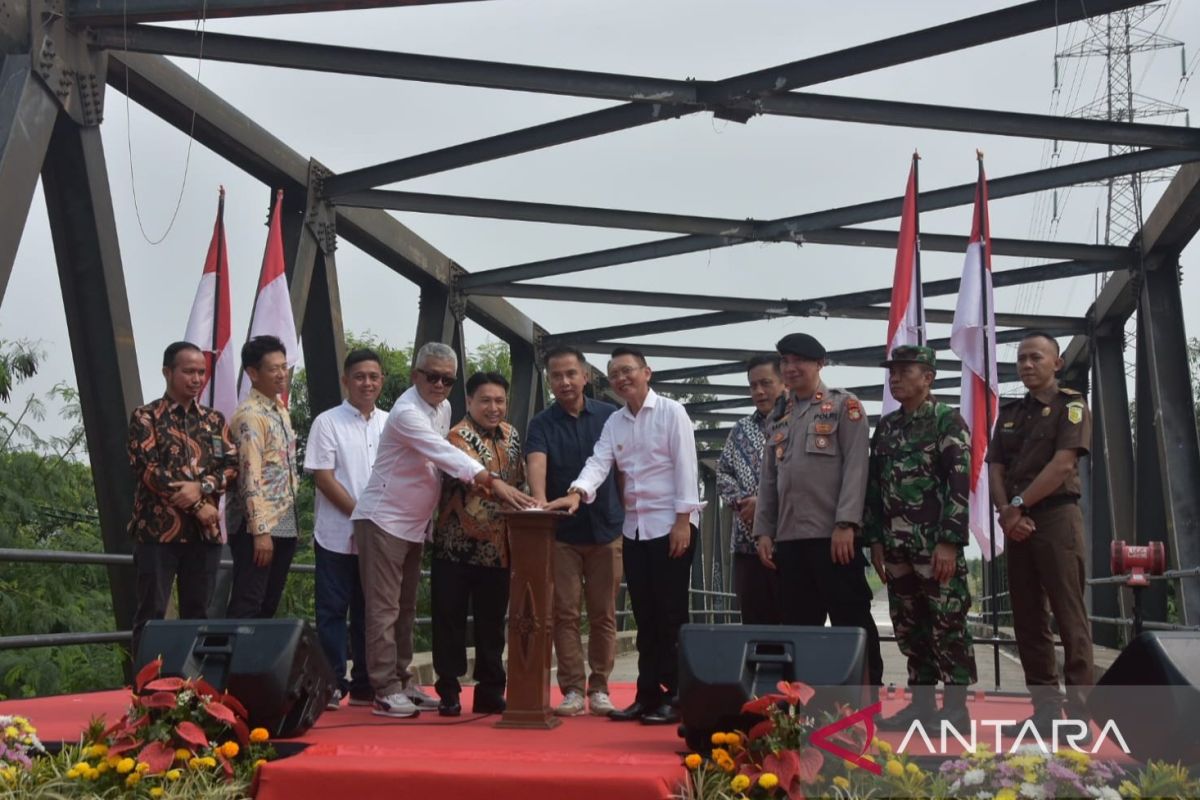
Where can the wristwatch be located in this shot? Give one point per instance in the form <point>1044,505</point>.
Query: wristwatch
<point>207,487</point>
<point>1018,503</point>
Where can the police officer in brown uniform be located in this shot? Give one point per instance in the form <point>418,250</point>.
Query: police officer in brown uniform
<point>1035,485</point>
<point>811,493</point>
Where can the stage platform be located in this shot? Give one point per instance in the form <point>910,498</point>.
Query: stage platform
<point>352,754</point>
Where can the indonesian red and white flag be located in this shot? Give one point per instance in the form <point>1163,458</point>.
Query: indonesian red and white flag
<point>208,326</point>
<point>973,340</point>
<point>273,303</point>
<point>906,318</point>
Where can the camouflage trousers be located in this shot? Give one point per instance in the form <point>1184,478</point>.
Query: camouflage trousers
<point>930,619</point>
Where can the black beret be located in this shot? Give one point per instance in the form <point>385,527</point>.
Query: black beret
<point>801,344</point>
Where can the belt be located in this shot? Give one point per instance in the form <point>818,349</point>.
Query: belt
<point>1054,501</point>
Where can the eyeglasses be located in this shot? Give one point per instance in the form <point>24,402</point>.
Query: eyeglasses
<point>434,377</point>
<point>622,372</point>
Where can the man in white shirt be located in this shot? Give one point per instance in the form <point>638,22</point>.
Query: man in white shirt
<point>392,522</point>
<point>341,449</point>
<point>652,443</point>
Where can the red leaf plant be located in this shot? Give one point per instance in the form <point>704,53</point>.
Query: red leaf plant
<point>170,714</point>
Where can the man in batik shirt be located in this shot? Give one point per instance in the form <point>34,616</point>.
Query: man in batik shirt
<point>470,552</point>
<point>738,470</point>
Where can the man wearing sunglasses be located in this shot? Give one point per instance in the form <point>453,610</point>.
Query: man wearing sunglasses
<point>392,520</point>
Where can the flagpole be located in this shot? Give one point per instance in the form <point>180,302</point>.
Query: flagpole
<point>258,286</point>
<point>216,326</point>
<point>920,298</point>
<point>984,264</point>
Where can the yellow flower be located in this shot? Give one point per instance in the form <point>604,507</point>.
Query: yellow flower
<point>114,760</point>
<point>157,791</point>
<point>1129,789</point>
<point>132,779</point>
<point>717,738</point>
<point>1076,756</point>
<point>895,768</point>
<point>142,767</point>
<point>740,783</point>
<point>183,754</point>
<point>1006,794</point>
<point>230,749</point>
<point>693,761</point>
<point>719,754</point>
<point>173,774</point>
<point>126,765</point>
<point>72,773</point>
<point>768,780</point>
<point>12,732</point>
<point>733,740</point>
<point>259,735</point>
<point>259,763</point>
<point>195,763</point>
<point>208,761</point>
<point>912,769</point>
<point>1030,776</point>
<point>93,774</point>
<point>841,782</point>
<point>82,766</point>
<point>103,767</point>
<point>883,747</point>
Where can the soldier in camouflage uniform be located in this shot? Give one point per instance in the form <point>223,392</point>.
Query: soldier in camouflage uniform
<point>916,524</point>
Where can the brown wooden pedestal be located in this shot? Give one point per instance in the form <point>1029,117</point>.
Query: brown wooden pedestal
<point>530,619</point>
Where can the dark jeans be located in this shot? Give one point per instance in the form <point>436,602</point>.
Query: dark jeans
<point>658,590</point>
<point>757,589</point>
<point>452,588</point>
<point>257,590</point>
<point>813,587</point>
<point>339,591</point>
<point>193,567</point>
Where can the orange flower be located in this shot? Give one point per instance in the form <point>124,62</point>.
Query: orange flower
<point>693,761</point>
<point>259,735</point>
<point>230,749</point>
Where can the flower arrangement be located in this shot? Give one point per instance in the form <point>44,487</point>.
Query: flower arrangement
<point>18,745</point>
<point>179,738</point>
<point>1032,773</point>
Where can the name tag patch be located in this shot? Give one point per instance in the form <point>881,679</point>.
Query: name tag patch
<point>823,428</point>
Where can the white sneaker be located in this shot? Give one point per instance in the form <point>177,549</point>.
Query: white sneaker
<point>417,695</point>
<point>600,703</point>
<point>394,705</point>
<point>572,705</point>
<point>335,701</point>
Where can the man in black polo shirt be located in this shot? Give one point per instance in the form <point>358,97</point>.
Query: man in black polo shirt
<point>587,554</point>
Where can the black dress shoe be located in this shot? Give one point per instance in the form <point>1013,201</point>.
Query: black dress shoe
<point>632,712</point>
<point>449,707</point>
<point>488,705</point>
<point>663,715</point>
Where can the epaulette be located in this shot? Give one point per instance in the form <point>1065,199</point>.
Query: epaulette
<point>1067,390</point>
<point>1008,401</point>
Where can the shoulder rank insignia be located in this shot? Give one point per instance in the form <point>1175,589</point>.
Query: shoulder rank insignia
<point>1075,413</point>
<point>853,409</point>
<point>818,397</point>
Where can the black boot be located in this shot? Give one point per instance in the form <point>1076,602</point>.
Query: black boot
<point>954,708</point>
<point>923,707</point>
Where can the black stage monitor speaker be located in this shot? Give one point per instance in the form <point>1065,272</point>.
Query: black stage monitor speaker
<point>1152,695</point>
<point>723,666</point>
<point>275,667</point>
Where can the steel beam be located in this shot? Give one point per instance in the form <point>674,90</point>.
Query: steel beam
<point>438,322</point>
<point>118,12</point>
<point>946,243</point>
<point>709,388</point>
<point>525,386</point>
<point>172,94</point>
<point>1112,460</point>
<point>794,227</point>
<point>84,232</point>
<point>1149,488</point>
<point>969,32</point>
<point>653,326</point>
<point>1160,312</point>
<point>27,115</point>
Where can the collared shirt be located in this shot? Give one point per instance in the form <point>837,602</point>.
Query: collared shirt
<point>920,480</point>
<point>470,528</point>
<point>656,452</point>
<point>568,442</point>
<point>738,470</point>
<point>267,480</point>
<point>169,442</point>
<point>814,471</point>
<point>1029,432</point>
<point>406,481</point>
<point>343,440</point>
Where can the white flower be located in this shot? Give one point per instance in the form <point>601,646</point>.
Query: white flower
<point>1032,791</point>
<point>1104,792</point>
<point>973,777</point>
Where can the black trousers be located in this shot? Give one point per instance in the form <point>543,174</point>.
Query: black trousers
<point>192,566</point>
<point>257,590</point>
<point>813,587</point>
<point>757,590</point>
<point>658,590</point>
<point>453,587</point>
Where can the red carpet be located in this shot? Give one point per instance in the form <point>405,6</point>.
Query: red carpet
<point>353,754</point>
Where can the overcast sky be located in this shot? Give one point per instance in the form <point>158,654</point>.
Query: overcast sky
<point>770,167</point>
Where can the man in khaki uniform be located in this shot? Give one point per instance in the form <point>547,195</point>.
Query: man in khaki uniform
<point>810,499</point>
<point>1034,477</point>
